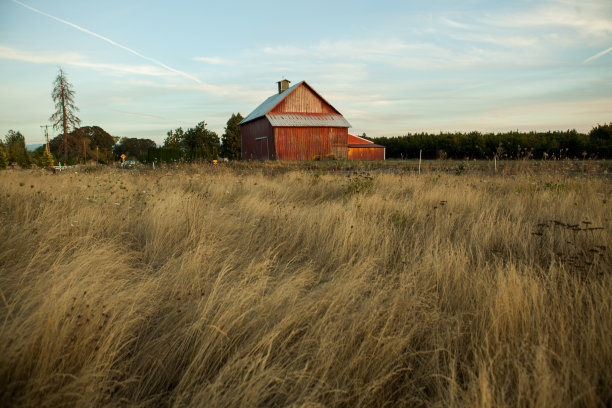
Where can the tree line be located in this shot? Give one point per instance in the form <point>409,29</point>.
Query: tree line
<point>597,144</point>
<point>198,143</point>
<point>77,144</point>
<point>92,143</point>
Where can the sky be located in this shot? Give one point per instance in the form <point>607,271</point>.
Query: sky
<point>140,68</point>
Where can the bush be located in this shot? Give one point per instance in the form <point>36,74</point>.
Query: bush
<point>42,158</point>
<point>3,157</point>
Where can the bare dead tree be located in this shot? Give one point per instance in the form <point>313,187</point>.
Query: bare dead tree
<point>64,117</point>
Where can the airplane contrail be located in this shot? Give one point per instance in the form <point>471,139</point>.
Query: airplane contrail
<point>599,54</point>
<point>108,40</point>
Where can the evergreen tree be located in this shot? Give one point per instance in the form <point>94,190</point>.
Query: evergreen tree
<point>64,117</point>
<point>41,157</point>
<point>200,142</point>
<point>47,159</point>
<point>174,138</point>
<point>600,139</point>
<point>3,157</point>
<point>16,148</point>
<point>231,140</point>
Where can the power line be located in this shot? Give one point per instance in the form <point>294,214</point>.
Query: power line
<point>46,128</point>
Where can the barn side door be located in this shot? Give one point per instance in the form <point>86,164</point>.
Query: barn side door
<point>263,147</point>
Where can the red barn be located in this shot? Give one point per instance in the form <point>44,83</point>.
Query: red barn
<point>295,124</point>
<point>363,149</point>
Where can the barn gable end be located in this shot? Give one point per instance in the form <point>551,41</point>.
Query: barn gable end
<point>303,99</point>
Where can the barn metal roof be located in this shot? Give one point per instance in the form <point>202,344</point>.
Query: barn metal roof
<point>307,120</point>
<point>268,105</point>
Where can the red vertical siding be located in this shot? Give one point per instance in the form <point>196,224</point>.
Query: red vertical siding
<point>303,100</point>
<point>253,149</point>
<point>369,153</point>
<point>358,140</point>
<point>310,143</point>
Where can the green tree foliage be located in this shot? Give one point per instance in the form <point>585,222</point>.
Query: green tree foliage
<point>98,144</point>
<point>16,148</point>
<point>73,146</point>
<point>64,117</point>
<point>98,136</point>
<point>200,143</point>
<point>600,138</point>
<point>42,158</point>
<point>172,150</point>
<point>510,145</point>
<point>3,157</point>
<point>231,140</point>
<point>163,155</point>
<point>197,143</point>
<point>174,138</point>
<point>47,159</point>
<point>133,147</point>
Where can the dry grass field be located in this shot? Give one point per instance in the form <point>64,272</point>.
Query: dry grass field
<point>203,286</point>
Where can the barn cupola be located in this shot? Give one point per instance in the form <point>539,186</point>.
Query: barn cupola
<point>283,85</point>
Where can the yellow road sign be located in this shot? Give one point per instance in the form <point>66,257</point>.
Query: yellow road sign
<point>123,156</point>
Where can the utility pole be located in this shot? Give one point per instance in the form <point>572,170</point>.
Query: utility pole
<point>84,152</point>
<point>46,128</point>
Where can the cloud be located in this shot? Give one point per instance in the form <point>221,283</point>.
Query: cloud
<point>403,54</point>
<point>120,100</point>
<point>538,33</point>
<point>140,115</point>
<point>78,60</point>
<point>364,50</point>
<point>537,36</point>
<point>589,19</point>
<point>234,91</point>
<point>108,40</point>
<point>545,115</point>
<point>214,60</point>
<point>599,54</point>
<point>455,24</point>
<point>503,40</point>
<point>287,51</point>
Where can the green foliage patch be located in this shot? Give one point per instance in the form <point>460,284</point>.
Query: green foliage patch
<point>510,145</point>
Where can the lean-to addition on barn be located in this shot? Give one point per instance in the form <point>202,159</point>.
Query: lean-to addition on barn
<point>363,149</point>
<point>295,124</point>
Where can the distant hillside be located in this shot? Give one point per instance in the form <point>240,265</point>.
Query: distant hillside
<point>32,147</point>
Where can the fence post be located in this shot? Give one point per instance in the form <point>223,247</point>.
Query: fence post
<point>420,153</point>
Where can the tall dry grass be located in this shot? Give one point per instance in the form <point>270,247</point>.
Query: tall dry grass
<point>215,287</point>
